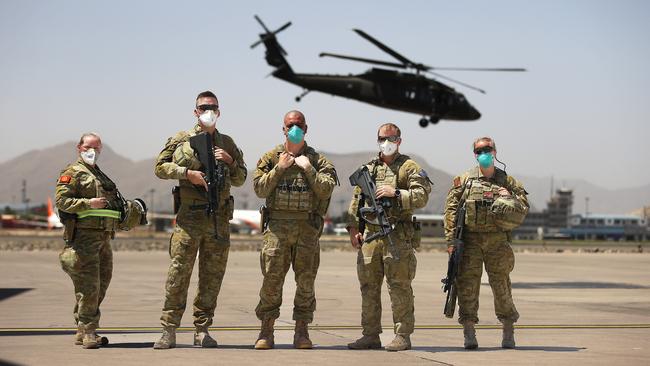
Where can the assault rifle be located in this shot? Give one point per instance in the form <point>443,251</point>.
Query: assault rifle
<point>214,173</point>
<point>376,209</point>
<point>449,282</point>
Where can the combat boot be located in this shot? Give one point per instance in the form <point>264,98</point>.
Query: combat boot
<point>167,340</point>
<point>89,340</point>
<point>265,339</point>
<point>401,342</point>
<point>79,337</point>
<point>470,335</point>
<point>366,342</point>
<point>301,336</point>
<point>202,338</point>
<point>508,335</point>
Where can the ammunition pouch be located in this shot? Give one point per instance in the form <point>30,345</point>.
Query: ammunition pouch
<point>176,194</point>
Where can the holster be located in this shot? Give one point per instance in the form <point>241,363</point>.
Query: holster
<point>69,222</point>
<point>176,194</point>
<point>264,217</point>
<point>417,233</point>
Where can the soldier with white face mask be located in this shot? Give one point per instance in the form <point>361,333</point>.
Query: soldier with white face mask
<point>89,205</point>
<point>196,232</point>
<point>407,187</point>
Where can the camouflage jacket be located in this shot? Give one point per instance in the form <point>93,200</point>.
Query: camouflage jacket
<point>177,157</point>
<point>479,193</point>
<point>404,174</point>
<point>77,184</point>
<point>292,189</point>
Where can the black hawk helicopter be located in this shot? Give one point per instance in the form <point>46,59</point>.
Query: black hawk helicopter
<point>402,91</point>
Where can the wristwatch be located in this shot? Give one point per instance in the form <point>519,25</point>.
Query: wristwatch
<point>398,194</point>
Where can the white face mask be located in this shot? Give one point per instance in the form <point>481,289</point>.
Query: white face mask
<point>388,148</point>
<point>89,156</point>
<point>208,118</point>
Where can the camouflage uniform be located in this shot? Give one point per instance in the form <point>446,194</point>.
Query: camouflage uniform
<point>194,231</point>
<point>484,243</point>
<point>296,202</point>
<point>87,256</point>
<point>374,260</point>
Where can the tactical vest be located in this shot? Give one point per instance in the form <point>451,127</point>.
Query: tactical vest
<point>480,197</point>
<point>107,218</point>
<point>293,193</point>
<point>384,175</point>
<point>194,195</point>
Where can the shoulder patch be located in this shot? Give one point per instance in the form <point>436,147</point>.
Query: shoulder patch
<point>456,182</point>
<point>424,175</point>
<point>65,179</point>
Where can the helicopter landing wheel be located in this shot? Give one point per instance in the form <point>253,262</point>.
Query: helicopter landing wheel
<point>424,122</point>
<point>434,120</point>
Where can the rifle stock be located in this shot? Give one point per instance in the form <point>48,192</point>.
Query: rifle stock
<point>214,174</point>
<point>361,177</point>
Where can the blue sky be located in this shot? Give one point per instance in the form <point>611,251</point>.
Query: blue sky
<point>130,70</point>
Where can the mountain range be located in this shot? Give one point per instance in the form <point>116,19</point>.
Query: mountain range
<point>40,169</point>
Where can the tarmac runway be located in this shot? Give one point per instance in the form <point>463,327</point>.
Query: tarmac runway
<point>576,309</point>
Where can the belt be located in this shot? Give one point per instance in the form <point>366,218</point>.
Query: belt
<point>289,215</point>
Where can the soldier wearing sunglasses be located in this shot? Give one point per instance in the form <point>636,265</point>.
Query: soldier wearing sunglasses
<point>486,240</point>
<point>407,187</point>
<point>195,231</point>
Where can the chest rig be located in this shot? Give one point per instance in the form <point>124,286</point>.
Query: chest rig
<point>389,175</point>
<point>293,193</point>
<point>481,194</point>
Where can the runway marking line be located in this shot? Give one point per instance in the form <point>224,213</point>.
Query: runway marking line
<point>325,327</point>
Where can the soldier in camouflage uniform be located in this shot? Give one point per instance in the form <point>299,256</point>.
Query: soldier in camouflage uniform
<point>297,183</point>
<point>195,231</point>
<point>485,242</point>
<point>402,180</point>
<point>89,207</point>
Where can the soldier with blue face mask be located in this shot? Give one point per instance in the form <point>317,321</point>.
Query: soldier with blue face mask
<point>297,183</point>
<point>495,203</point>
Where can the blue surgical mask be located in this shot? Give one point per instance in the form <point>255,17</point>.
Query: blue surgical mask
<point>295,135</point>
<point>485,160</point>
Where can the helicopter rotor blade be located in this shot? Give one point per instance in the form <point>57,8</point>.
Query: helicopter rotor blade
<point>262,23</point>
<point>361,59</point>
<point>456,81</point>
<point>516,69</point>
<point>386,49</point>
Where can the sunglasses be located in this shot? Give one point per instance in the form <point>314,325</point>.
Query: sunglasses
<point>393,138</point>
<point>206,107</point>
<point>295,124</point>
<point>483,150</point>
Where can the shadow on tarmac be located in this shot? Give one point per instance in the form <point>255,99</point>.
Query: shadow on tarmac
<point>6,293</point>
<point>491,349</point>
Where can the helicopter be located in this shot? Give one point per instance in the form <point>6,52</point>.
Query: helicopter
<point>403,91</point>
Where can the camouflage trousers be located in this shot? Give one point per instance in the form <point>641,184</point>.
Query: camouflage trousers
<point>399,276</point>
<point>88,260</point>
<point>289,243</point>
<point>194,233</point>
<point>494,250</point>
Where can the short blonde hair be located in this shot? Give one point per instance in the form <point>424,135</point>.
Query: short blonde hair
<point>484,139</point>
<point>88,134</point>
